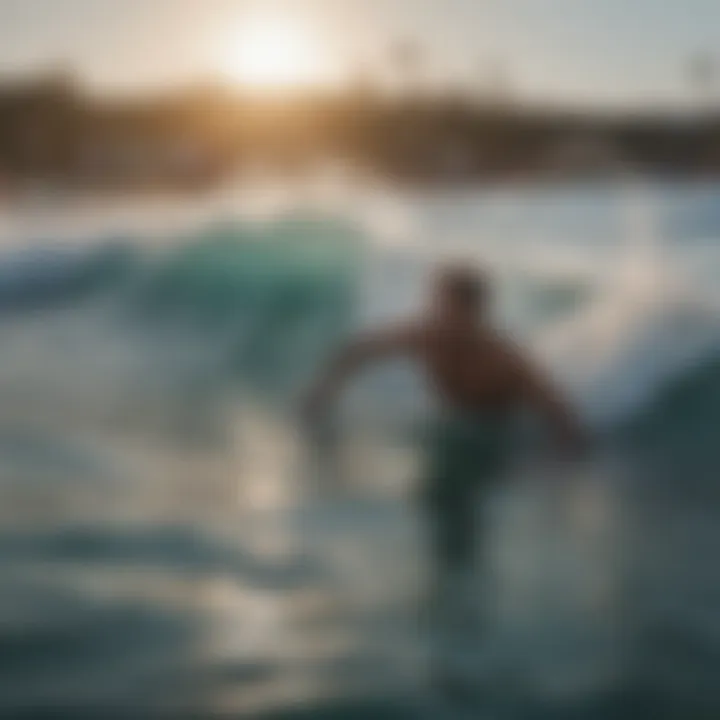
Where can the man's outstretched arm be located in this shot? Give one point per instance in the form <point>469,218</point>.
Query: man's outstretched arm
<point>364,350</point>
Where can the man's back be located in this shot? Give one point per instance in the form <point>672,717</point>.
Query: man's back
<point>469,365</point>
<point>472,370</point>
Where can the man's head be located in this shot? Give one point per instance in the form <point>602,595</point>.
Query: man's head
<point>461,294</point>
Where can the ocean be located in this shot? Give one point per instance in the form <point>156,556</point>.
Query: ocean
<point>172,543</point>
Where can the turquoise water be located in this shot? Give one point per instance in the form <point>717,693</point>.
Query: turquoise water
<point>171,545</point>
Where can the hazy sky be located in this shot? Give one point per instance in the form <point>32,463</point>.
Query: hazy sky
<point>606,51</point>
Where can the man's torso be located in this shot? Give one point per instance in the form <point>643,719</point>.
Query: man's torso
<point>469,371</point>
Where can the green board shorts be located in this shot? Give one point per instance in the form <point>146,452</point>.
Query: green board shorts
<point>467,455</point>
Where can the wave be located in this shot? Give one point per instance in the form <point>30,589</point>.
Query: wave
<point>643,360</point>
<point>274,297</point>
<point>46,276</point>
<point>677,427</point>
<point>270,300</point>
<point>265,301</point>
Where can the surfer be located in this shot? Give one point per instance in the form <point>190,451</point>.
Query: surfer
<point>482,380</point>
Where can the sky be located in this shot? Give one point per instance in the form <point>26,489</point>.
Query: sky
<point>600,52</point>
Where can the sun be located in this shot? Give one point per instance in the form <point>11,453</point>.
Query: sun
<point>274,54</point>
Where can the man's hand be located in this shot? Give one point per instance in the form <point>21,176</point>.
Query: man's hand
<point>537,390</point>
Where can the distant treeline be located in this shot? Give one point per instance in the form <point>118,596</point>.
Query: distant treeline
<point>52,131</point>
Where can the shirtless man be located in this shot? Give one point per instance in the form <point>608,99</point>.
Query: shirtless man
<point>482,381</point>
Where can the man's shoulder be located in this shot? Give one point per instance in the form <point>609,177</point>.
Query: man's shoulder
<point>493,338</point>
<point>501,346</point>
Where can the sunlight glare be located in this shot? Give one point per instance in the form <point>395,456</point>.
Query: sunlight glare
<point>274,54</point>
